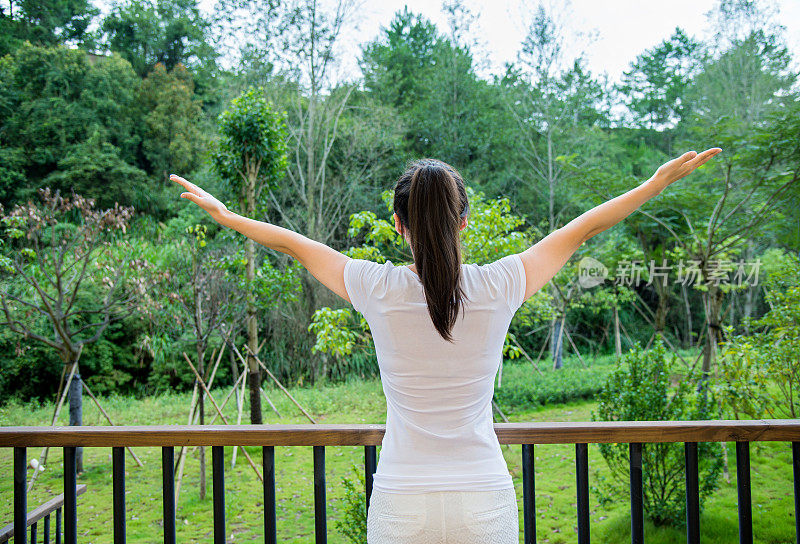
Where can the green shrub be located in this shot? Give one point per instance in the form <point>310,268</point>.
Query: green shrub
<point>639,390</point>
<point>353,524</point>
<point>759,373</point>
<point>522,388</point>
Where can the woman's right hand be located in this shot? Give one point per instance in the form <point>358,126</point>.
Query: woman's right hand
<point>214,207</point>
<point>680,167</point>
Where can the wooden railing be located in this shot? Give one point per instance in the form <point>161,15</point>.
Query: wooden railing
<point>581,434</point>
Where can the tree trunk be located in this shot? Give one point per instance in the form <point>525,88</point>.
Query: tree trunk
<point>714,299</point>
<point>663,293</point>
<point>201,406</point>
<point>254,372</point>
<point>747,310</point>
<point>557,344</point>
<point>76,412</point>
<point>617,337</point>
<point>688,340</point>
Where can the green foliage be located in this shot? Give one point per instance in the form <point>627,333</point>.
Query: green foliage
<point>55,100</point>
<point>490,235</point>
<point>95,169</point>
<point>639,390</point>
<point>759,373</point>
<point>353,524</point>
<point>252,143</point>
<point>523,388</point>
<point>334,334</point>
<point>172,140</point>
<point>46,22</point>
<point>146,32</point>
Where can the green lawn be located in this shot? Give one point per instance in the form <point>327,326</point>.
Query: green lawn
<point>359,402</point>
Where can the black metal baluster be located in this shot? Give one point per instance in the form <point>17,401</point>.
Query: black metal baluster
<point>218,478</point>
<point>796,473</point>
<point>692,494</point>
<point>370,465</point>
<point>528,494</point>
<point>33,533</point>
<point>743,489</point>
<point>70,496</point>
<point>46,538</point>
<point>118,492</point>
<point>270,518</point>
<point>58,525</point>
<point>582,477</point>
<point>168,492</point>
<point>637,511</point>
<point>20,494</point>
<point>320,523</point>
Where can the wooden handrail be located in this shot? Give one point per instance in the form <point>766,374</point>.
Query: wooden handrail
<point>372,434</point>
<point>40,512</point>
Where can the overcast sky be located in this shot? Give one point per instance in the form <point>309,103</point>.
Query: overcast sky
<point>622,29</point>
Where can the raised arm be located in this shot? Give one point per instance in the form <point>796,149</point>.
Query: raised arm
<point>544,259</point>
<point>325,263</point>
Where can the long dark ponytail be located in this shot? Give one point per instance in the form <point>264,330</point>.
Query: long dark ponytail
<point>430,200</point>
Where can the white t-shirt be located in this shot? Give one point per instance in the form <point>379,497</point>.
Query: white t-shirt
<point>439,426</point>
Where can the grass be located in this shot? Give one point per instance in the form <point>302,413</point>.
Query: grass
<point>360,402</point>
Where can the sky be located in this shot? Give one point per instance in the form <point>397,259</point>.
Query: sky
<point>610,33</point>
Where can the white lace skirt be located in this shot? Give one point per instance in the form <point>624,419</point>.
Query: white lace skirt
<point>443,517</point>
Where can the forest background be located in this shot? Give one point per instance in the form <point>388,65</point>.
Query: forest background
<point>108,114</point>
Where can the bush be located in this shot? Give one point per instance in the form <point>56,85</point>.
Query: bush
<point>523,388</point>
<point>759,373</point>
<point>638,390</point>
<point>353,524</point>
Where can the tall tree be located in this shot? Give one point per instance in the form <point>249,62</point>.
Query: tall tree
<point>251,158</point>
<point>555,104</point>
<point>46,22</point>
<point>70,275</point>
<point>172,139</point>
<point>172,32</point>
<point>53,100</point>
<point>654,85</point>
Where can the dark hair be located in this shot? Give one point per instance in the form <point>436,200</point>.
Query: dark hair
<point>430,200</point>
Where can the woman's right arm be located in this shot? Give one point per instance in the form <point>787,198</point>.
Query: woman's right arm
<point>544,259</point>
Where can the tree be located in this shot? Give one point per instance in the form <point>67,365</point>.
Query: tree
<point>251,158</point>
<point>53,100</point>
<point>555,105</point>
<point>759,372</point>
<point>742,101</point>
<point>171,138</point>
<point>491,234</point>
<point>146,32</point>
<point>199,300</point>
<point>639,390</point>
<point>654,85</point>
<point>46,22</point>
<point>70,276</point>
<point>396,64</point>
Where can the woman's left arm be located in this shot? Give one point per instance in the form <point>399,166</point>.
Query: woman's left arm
<point>325,263</point>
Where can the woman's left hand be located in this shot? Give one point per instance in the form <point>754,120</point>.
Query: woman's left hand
<point>203,199</point>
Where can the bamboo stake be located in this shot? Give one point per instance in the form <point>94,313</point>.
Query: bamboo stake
<point>224,403</point>
<point>108,418</point>
<point>211,398</point>
<point>578,353</point>
<point>270,402</point>
<point>559,347</point>
<point>525,353</point>
<point>276,380</point>
<point>239,406</point>
<point>182,454</point>
<point>194,416</point>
